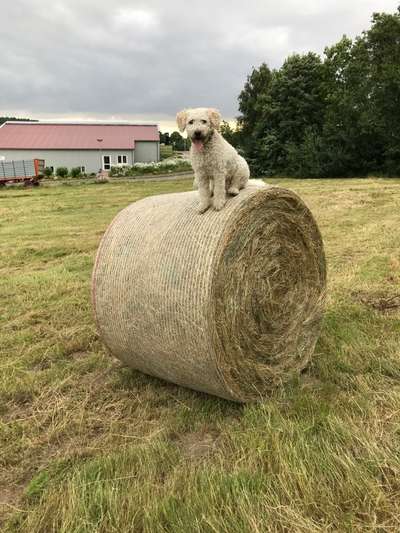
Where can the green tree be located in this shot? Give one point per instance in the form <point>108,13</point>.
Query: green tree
<point>164,138</point>
<point>331,117</point>
<point>287,106</point>
<point>230,134</point>
<point>251,97</point>
<point>251,101</point>
<point>177,141</point>
<point>296,110</point>
<point>352,144</point>
<point>382,42</point>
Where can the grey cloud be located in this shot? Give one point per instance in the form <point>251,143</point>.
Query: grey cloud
<point>150,59</point>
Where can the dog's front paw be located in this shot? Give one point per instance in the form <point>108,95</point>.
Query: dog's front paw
<point>218,203</point>
<point>203,207</point>
<point>233,191</point>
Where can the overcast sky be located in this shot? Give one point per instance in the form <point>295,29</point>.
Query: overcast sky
<point>145,60</point>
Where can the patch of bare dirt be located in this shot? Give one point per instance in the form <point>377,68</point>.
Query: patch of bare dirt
<point>10,498</point>
<point>78,355</point>
<point>378,301</point>
<point>198,444</point>
<point>310,382</point>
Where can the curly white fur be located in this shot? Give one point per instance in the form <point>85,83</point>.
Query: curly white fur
<point>218,168</point>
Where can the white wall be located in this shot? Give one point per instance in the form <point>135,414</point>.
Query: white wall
<point>146,151</point>
<point>90,159</point>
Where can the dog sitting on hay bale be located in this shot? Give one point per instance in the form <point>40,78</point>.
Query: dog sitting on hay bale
<point>218,168</point>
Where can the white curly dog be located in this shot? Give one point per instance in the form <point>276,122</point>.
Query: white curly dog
<point>218,168</point>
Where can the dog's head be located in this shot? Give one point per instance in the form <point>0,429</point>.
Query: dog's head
<point>199,124</point>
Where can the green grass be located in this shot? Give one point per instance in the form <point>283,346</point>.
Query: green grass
<point>166,151</point>
<point>88,445</point>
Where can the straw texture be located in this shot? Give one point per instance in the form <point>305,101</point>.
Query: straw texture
<point>227,302</point>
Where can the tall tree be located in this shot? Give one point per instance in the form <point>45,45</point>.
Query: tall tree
<point>177,141</point>
<point>296,111</point>
<point>351,144</point>
<point>339,116</point>
<point>164,138</point>
<point>382,41</point>
<point>251,100</point>
<point>230,134</point>
<point>288,105</point>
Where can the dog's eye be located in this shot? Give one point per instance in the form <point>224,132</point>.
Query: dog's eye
<point>191,121</point>
<point>204,121</point>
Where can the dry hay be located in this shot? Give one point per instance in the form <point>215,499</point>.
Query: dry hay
<point>227,302</point>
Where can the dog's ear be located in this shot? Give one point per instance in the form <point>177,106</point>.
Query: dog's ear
<point>215,118</point>
<point>181,119</point>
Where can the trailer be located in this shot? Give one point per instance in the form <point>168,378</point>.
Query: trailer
<point>27,171</point>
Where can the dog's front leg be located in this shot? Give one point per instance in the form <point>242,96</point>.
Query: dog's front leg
<point>204,193</point>
<point>219,192</point>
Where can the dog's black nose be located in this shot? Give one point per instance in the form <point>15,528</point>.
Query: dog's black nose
<point>197,134</point>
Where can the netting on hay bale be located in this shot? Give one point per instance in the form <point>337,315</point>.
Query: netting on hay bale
<point>227,302</point>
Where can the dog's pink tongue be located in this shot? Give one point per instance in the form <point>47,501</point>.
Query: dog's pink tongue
<point>198,145</point>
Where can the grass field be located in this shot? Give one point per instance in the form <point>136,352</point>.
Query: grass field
<point>90,446</point>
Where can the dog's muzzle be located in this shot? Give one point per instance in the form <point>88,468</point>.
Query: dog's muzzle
<point>198,141</point>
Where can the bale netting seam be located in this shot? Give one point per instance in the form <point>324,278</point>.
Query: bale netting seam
<point>229,303</point>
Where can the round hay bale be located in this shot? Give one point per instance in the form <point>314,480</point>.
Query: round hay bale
<point>227,302</point>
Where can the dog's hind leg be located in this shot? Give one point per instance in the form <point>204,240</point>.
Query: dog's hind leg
<point>239,178</point>
<point>219,193</point>
<point>234,185</point>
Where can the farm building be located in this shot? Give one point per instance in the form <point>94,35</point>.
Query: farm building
<point>90,146</point>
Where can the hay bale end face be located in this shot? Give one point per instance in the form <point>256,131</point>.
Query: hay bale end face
<point>227,302</point>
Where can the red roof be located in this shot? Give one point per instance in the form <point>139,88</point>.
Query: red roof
<point>36,135</point>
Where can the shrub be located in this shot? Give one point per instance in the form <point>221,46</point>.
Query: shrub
<point>76,172</point>
<point>48,172</point>
<point>62,172</point>
<point>117,171</point>
<point>304,159</point>
<point>169,166</point>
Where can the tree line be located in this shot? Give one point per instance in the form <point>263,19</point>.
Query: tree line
<point>180,143</point>
<point>5,119</point>
<point>175,140</point>
<point>338,115</point>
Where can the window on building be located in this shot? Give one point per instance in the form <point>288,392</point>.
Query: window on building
<point>122,160</point>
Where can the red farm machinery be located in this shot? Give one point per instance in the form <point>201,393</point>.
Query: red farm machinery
<point>27,171</point>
